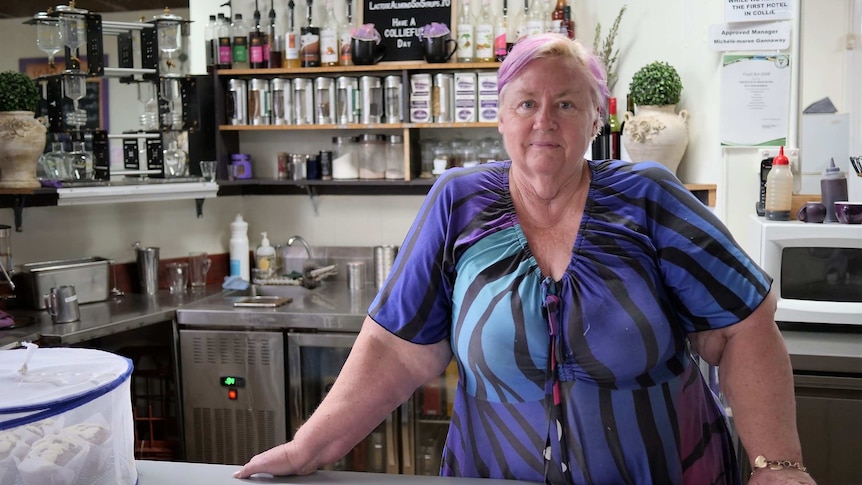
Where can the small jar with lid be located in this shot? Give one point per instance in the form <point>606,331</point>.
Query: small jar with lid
<point>345,159</point>
<point>372,157</point>
<point>426,150</point>
<point>395,158</point>
<point>441,159</point>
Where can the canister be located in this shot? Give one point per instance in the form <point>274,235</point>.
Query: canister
<point>303,101</point>
<point>237,112</point>
<point>394,99</point>
<point>346,99</point>
<point>282,101</point>
<point>384,257</point>
<point>324,97</point>
<point>442,99</point>
<point>395,157</point>
<point>355,275</point>
<point>372,158</point>
<point>296,169</point>
<point>420,98</point>
<point>345,161</point>
<point>258,101</point>
<point>371,92</point>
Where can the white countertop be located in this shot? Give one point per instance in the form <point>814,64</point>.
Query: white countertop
<point>170,472</point>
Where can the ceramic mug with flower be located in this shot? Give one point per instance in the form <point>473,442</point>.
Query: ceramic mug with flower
<point>365,46</point>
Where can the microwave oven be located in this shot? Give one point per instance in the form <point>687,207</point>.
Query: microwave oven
<point>816,270</point>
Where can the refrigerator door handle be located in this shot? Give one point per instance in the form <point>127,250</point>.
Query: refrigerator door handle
<point>408,443</point>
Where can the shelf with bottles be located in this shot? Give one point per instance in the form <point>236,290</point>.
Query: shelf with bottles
<point>393,66</point>
<point>357,126</point>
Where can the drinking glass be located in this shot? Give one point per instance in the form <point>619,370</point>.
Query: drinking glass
<point>208,170</point>
<point>178,277</point>
<point>199,265</point>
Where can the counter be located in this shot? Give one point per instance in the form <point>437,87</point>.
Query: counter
<point>170,472</point>
<point>330,307</point>
<point>99,319</point>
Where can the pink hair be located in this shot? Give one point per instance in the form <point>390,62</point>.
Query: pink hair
<point>553,46</point>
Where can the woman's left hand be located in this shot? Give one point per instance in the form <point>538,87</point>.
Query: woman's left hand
<point>787,476</point>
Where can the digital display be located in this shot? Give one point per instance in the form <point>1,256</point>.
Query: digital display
<point>232,381</point>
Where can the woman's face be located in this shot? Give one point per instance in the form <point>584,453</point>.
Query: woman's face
<point>547,117</point>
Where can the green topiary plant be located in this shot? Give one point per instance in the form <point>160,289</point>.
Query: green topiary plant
<point>17,92</point>
<point>656,84</point>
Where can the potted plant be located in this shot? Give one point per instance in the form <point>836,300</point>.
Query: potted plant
<point>657,132</point>
<point>22,136</point>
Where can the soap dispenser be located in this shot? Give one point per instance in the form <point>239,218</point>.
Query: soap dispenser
<point>264,258</point>
<point>833,188</point>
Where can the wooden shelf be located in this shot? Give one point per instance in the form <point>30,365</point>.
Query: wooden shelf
<point>355,126</point>
<point>383,66</point>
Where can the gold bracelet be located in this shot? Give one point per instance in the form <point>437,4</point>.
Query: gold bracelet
<point>761,462</point>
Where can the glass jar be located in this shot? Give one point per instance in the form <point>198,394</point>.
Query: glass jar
<point>52,164</point>
<point>81,162</point>
<point>345,160</point>
<point>441,159</point>
<point>395,158</point>
<point>372,157</point>
<point>176,161</point>
<point>426,164</point>
<point>469,156</point>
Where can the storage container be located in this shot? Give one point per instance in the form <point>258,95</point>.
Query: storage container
<point>89,276</point>
<point>69,420</point>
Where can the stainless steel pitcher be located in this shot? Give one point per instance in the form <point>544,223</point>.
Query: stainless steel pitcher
<point>148,268</point>
<point>62,304</point>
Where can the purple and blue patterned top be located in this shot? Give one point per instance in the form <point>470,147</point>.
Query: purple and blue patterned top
<point>586,380</point>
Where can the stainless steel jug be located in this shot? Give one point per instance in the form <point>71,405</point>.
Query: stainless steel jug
<point>148,268</point>
<point>62,304</point>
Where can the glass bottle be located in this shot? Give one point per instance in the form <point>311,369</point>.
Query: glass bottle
<point>557,17</point>
<point>329,37</point>
<point>209,38</point>
<point>224,55</point>
<point>309,42</point>
<point>615,128</point>
<point>344,56</point>
<point>274,49</point>
<point>534,18</point>
<point>485,33</point>
<point>52,164</point>
<point>291,44</point>
<point>81,162</point>
<point>466,38</point>
<point>239,43</point>
<point>49,36</point>
<point>256,42</point>
<point>176,160</point>
<point>501,31</point>
<point>567,20</point>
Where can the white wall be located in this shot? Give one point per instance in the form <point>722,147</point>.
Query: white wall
<point>668,30</point>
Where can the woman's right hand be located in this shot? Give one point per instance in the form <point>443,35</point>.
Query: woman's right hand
<point>278,461</point>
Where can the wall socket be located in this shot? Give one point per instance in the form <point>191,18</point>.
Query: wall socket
<point>792,155</point>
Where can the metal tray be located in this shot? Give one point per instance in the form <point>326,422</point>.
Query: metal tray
<point>88,275</point>
<point>263,301</point>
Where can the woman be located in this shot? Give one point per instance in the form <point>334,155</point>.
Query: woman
<point>567,291</point>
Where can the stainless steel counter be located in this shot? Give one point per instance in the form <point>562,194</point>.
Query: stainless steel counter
<point>167,473</point>
<point>330,307</point>
<point>100,319</point>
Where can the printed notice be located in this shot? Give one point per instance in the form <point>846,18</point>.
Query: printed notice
<point>750,37</point>
<point>757,10</point>
<point>399,21</point>
<point>755,100</point>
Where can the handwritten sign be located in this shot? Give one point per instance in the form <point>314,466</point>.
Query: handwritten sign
<point>758,10</point>
<point>399,21</point>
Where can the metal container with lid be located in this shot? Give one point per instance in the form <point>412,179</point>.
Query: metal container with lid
<point>237,107</point>
<point>324,97</point>
<point>89,276</point>
<point>303,101</point>
<point>282,101</point>
<point>347,100</point>
<point>371,92</point>
<point>393,99</point>
<point>258,101</point>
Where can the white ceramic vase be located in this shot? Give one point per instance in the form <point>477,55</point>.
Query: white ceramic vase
<point>22,141</point>
<point>656,133</point>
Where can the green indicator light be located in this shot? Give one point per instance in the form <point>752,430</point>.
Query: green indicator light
<point>229,381</point>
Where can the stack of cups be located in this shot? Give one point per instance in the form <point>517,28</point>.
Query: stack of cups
<point>384,256</point>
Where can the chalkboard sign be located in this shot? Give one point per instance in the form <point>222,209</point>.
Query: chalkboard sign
<point>398,22</point>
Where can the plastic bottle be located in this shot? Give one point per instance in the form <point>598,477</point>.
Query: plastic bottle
<point>833,188</point>
<point>239,248</point>
<point>779,189</point>
<point>264,257</point>
<point>211,42</point>
<point>239,43</point>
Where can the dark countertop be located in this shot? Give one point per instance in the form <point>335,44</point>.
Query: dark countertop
<point>169,472</point>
